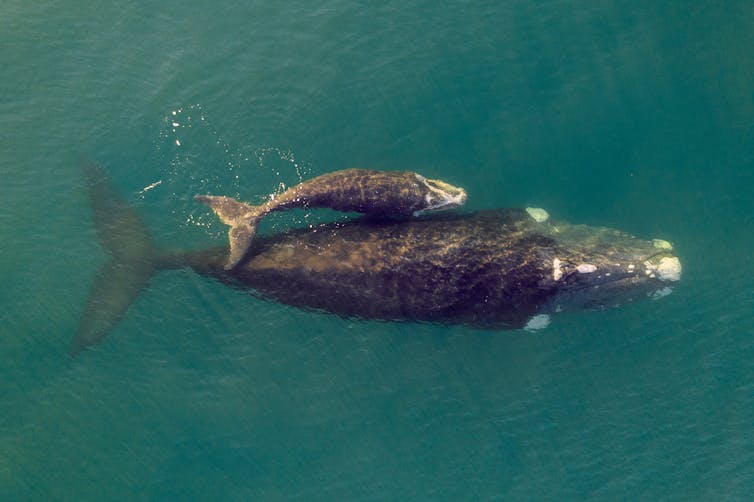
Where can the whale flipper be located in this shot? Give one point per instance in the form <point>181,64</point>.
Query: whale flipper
<point>243,220</point>
<point>124,237</point>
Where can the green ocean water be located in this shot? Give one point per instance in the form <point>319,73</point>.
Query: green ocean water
<point>630,114</point>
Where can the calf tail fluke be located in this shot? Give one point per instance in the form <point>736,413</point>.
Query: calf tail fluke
<point>243,220</point>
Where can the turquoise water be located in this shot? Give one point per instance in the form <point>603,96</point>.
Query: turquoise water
<point>634,115</point>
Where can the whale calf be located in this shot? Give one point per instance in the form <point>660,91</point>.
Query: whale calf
<point>377,193</point>
<point>499,269</point>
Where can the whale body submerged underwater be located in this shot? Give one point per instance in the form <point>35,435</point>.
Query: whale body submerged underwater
<point>496,269</point>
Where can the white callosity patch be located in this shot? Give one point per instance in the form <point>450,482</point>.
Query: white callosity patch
<point>557,272</point>
<point>440,195</point>
<point>586,268</point>
<point>540,321</point>
<point>538,214</point>
<point>649,269</point>
<point>662,244</point>
<point>669,269</point>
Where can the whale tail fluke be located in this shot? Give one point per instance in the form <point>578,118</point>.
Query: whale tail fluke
<point>243,220</point>
<point>133,259</point>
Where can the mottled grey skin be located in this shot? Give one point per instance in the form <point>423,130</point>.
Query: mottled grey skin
<point>380,194</point>
<point>491,269</point>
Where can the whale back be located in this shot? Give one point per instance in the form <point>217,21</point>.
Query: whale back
<point>483,269</point>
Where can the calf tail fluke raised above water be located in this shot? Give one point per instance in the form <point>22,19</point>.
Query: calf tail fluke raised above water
<point>243,220</point>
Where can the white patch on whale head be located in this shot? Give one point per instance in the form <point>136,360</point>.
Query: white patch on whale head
<point>539,321</point>
<point>538,214</point>
<point>441,195</point>
<point>662,244</point>
<point>586,268</point>
<point>669,269</point>
<point>557,273</point>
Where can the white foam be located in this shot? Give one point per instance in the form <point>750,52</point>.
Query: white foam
<point>151,186</point>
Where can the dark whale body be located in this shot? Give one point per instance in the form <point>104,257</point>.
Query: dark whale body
<point>493,269</point>
<point>479,269</point>
<point>487,269</point>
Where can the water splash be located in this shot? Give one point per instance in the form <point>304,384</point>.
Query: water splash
<point>196,158</point>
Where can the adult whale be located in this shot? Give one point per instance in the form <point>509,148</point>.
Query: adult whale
<point>494,269</point>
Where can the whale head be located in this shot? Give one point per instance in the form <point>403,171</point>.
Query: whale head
<point>598,268</point>
<point>440,195</point>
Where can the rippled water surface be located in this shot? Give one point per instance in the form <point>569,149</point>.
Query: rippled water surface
<point>633,115</point>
